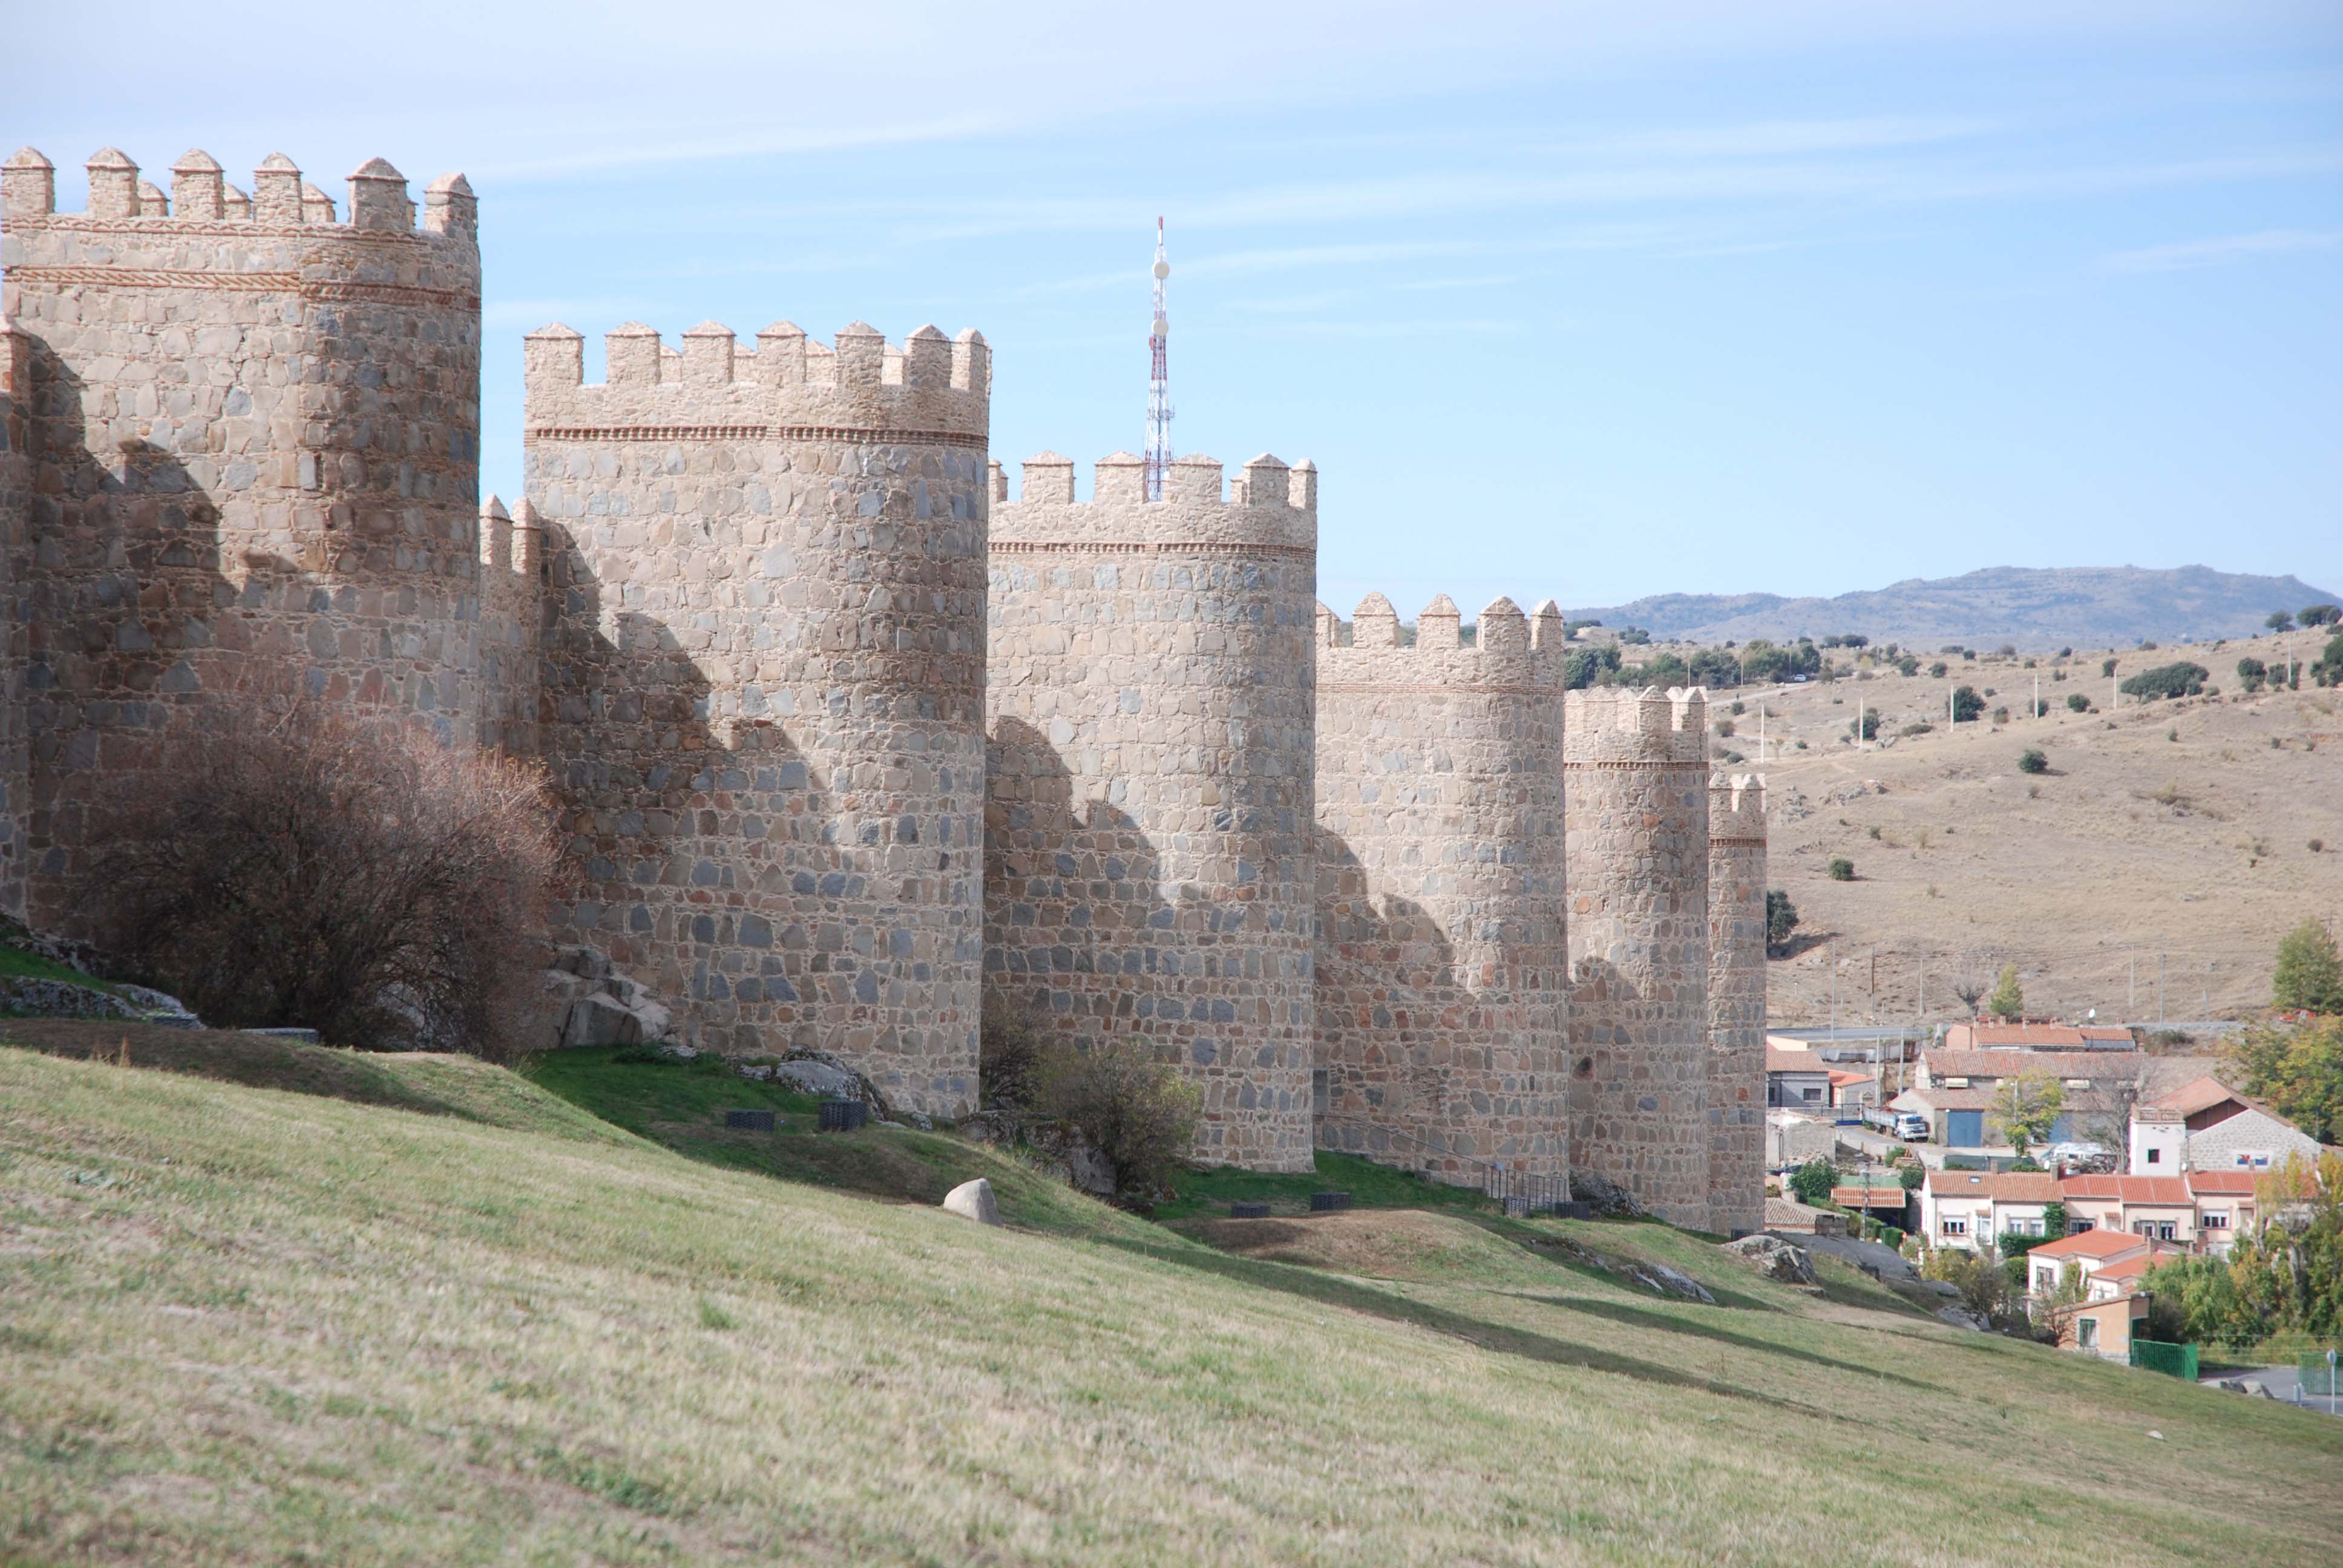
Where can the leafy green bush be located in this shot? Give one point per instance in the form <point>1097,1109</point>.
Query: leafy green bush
<point>1907,665</point>
<point>1967,706</point>
<point>2181,679</point>
<point>1841,870</point>
<point>2107,667</point>
<point>1936,670</point>
<point>1913,1177</point>
<point>2328,670</point>
<point>2321,615</point>
<point>2252,673</point>
<point>1781,917</point>
<point>2077,702</point>
<point>1813,1181</point>
<point>2033,760</point>
<point>1866,728</point>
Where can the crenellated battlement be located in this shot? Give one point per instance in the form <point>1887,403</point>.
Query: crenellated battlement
<point>1736,807</point>
<point>1637,725</point>
<point>929,388</point>
<point>200,194</point>
<point>1269,507</point>
<point>1508,649</point>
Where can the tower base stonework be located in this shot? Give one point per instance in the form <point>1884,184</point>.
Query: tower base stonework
<point>1440,959</point>
<point>1147,851</point>
<point>1635,775</point>
<point>1737,1003</point>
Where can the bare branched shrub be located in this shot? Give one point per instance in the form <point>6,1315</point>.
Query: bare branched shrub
<point>1139,1113</point>
<point>1010,1053</point>
<point>354,876</point>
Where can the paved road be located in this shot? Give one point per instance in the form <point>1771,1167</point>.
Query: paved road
<point>2283,1382</point>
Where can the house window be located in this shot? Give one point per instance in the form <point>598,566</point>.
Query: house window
<point>1810,1092</point>
<point>2215,1220</point>
<point>1956,1083</point>
<point>2167,1230</point>
<point>2087,1332</point>
<point>2078,1223</point>
<point>2155,1157</point>
<point>1956,1225</point>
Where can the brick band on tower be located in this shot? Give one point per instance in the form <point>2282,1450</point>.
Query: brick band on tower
<point>1442,968</point>
<point>1635,771</point>
<point>1148,845</point>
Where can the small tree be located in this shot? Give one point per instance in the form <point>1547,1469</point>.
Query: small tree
<point>1781,917</point>
<point>2107,667</point>
<point>1140,1113</point>
<point>2024,1108</point>
<point>1967,706</point>
<point>1841,870</point>
<point>292,867</point>
<point>2033,760</point>
<point>2299,1068</point>
<point>2053,1219</point>
<point>2280,621</point>
<point>2309,973</point>
<point>1866,728</point>
<point>2321,615</point>
<point>1813,1181</point>
<point>2007,1000</point>
<point>2077,702</point>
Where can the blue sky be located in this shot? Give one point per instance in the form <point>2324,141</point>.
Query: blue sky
<point>1592,300</point>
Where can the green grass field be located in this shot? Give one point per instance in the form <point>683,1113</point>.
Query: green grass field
<point>417,1310</point>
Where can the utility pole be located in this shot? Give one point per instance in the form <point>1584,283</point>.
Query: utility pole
<point>1948,707</point>
<point>1760,732</point>
<point>2160,988</point>
<point>2038,694</point>
<point>1858,722</point>
<point>2132,1004</point>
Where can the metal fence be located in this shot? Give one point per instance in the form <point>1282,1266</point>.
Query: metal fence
<point>1521,1191</point>
<point>2319,1375</point>
<point>2173,1360</point>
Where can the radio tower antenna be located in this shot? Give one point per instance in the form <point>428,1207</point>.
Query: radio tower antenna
<point>1159,380</point>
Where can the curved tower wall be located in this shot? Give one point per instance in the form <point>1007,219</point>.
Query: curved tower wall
<point>1736,1002</point>
<point>16,525</point>
<point>1148,831</point>
<point>1635,771</point>
<point>764,683</point>
<point>1442,972</point>
<point>255,433</point>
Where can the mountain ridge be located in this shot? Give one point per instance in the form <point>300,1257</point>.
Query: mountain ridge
<point>2031,605</point>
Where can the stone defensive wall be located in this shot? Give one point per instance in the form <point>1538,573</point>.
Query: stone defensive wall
<point>763,669</point>
<point>1635,777</point>
<point>16,526</point>
<point>1148,816</point>
<point>513,602</point>
<point>1736,1002</point>
<point>254,439</point>
<point>1442,970</point>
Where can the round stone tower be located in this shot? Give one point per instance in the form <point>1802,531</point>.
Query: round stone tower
<point>256,437</point>
<point>1736,1002</point>
<point>1635,772</point>
<point>1147,842</point>
<point>1442,968</point>
<point>764,674</point>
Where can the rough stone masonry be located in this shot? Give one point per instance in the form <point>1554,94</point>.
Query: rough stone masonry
<point>847,746</point>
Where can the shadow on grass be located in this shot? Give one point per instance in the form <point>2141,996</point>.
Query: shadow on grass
<point>1636,1317</point>
<point>1330,1290</point>
<point>249,1061</point>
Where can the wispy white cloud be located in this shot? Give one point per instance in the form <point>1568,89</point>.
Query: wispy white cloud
<point>2189,255</point>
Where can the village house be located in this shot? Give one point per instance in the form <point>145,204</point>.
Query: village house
<point>1798,1080</point>
<point>2158,1206</point>
<point>2225,1207</point>
<point>2104,1329</point>
<point>2205,1125</point>
<point>1972,1208</point>
<point>2105,1259</point>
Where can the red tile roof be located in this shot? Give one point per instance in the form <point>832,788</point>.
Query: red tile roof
<point>2038,1035</point>
<point>2223,1183</point>
<point>2201,1094</point>
<point>2010,1063</point>
<point>2171,1191</point>
<point>1868,1197</point>
<point>2100,1244</point>
<point>2128,1269</point>
<point>2005,1187</point>
<point>1780,1061</point>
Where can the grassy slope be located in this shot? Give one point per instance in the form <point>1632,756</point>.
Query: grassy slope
<point>246,1325</point>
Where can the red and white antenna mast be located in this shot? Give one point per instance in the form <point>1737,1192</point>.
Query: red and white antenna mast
<point>1159,381</point>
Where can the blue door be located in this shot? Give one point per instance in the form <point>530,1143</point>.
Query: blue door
<point>1965,1129</point>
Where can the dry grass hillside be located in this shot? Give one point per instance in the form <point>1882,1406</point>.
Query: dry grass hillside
<point>423,1311</point>
<point>2176,831</point>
